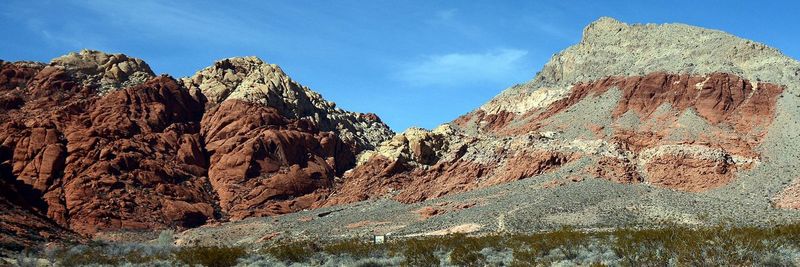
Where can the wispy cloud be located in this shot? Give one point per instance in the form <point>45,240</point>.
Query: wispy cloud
<point>454,69</point>
<point>449,19</point>
<point>188,20</point>
<point>105,23</point>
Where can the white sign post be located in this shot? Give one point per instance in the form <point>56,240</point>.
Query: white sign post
<point>379,239</point>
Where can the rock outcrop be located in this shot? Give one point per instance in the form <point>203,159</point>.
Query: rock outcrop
<point>251,80</point>
<point>21,221</point>
<point>121,160</point>
<point>262,163</point>
<point>108,71</point>
<point>98,143</point>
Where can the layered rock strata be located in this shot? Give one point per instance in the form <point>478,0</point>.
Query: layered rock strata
<point>672,106</point>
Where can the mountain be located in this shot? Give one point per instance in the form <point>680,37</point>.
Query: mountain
<point>634,125</point>
<point>671,106</point>
<point>99,143</point>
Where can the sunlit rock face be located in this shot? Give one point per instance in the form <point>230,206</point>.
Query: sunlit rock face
<point>251,80</point>
<point>95,142</point>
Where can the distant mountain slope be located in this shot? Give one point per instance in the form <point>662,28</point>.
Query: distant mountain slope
<point>671,106</point>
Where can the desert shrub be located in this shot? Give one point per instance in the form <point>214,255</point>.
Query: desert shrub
<point>719,245</point>
<point>354,248</point>
<point>25,259</point>
<point>568,240</point>
<point>420,252</point>
<point>86,255</point>
<point>467,254</point>
<point>378,262</point>
<point>671,245</point>
<point>294,252</point>
<point>98,253</point>
<point>166,238</point>
<point>524,257</point>
<point>643,247</point>
<point>564,243</point>
<point>788,233</point>
<point>210,256</point>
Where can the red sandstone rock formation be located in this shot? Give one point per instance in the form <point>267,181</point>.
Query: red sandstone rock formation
<point>264,164</point>
<point>147,156</point>
<point>720,99</point>
<point>615,170</point>
<point>380,176</point>
<point>21,221</point>
<point>689,174</point>
<point>135,161</point>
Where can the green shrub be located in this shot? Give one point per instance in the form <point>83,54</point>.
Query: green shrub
<point>524,257</point>
<point>210,256</point>
<point>671,245</point>
<point>355,248</point>
<point>467,254</point>
<point>293,252</point>
<point>420,252</point>
<point>87,257</point>
<point>642,247</point>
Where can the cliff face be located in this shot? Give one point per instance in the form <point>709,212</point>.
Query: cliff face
<point>95,142</point>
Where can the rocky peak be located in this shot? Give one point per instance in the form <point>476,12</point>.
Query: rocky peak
<point>613,48</point>
<point>602,27</point>
<point>219,81</point>
<point>252,80</point>
<point>107,71</point>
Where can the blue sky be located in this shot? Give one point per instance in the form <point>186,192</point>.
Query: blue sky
<point>414,63</point>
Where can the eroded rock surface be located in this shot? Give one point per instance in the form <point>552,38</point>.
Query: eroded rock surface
<point>262,163</point>
<point>251,80</point>
<point>109,71</point>
<point>98,143</point>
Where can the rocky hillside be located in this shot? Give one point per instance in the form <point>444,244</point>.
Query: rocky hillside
<point>95,142</point>
<point>670,106</point>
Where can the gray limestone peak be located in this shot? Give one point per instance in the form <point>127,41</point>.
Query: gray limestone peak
<point>107,71</point>
<point>252,80</point>
<point>612,48</point>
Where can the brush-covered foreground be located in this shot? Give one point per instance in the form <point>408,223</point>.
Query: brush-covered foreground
<point>667,246</point>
